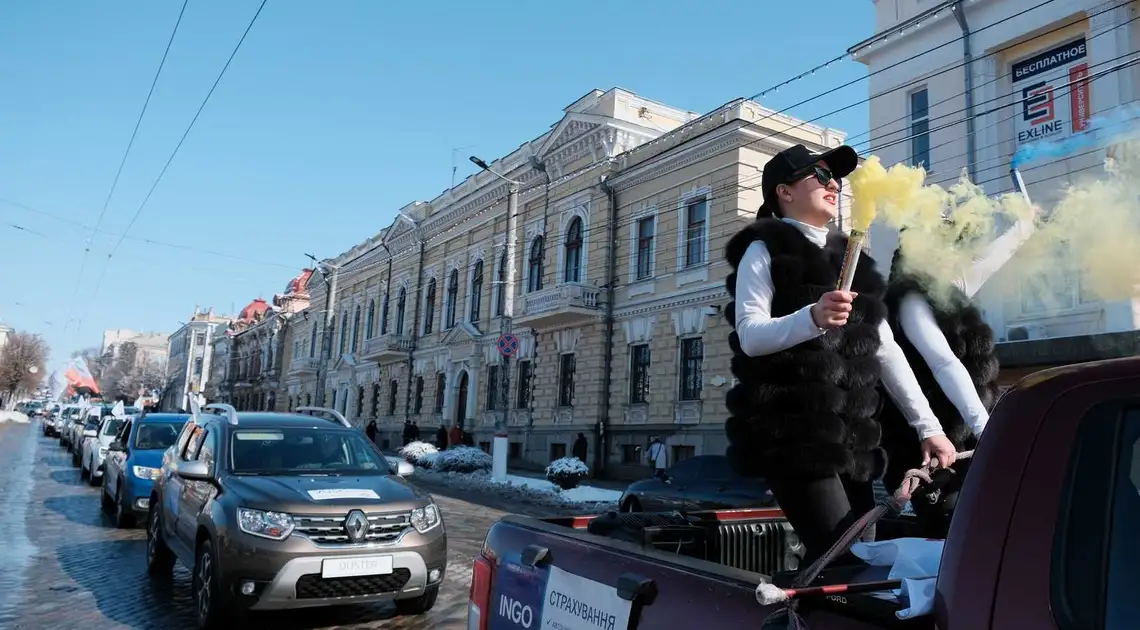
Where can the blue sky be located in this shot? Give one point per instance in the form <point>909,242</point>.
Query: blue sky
<point>332,116</point>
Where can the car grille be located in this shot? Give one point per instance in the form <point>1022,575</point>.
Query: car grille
<point>313,586</point>
<point>756,547</point>
<point>329,530</point>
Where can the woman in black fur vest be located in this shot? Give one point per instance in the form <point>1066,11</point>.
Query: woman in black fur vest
<point>808,359</point>
<point>951,349</point>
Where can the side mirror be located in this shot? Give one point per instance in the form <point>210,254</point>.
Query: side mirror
<point>193,471</point>
<point>404,469</point>
<point>116,447</point>
<point>90,433</point>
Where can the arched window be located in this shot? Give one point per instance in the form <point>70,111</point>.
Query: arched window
<point>384,316</point>
<point>476,292</point>
<point>429,307</point>
<point>401,303</point>
<point>313,342</point>
<point>356,329</point>
<point>572,271</point>
<point>370,320</point>
<point>534,265</point>
<point>343,332</point>
<point>452,296</point>
<point>501,296</point>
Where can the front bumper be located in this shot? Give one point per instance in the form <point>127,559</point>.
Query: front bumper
<point>287,574</point>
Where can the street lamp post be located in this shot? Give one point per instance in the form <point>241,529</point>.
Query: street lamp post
<point>501,444</point>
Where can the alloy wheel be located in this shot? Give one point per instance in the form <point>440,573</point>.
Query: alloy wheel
<point>205,580</point>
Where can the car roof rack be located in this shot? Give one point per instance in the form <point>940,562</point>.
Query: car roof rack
<point>228,410</point>
<point>333,413</point>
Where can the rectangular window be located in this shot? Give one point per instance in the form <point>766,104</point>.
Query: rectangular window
<point>419,395</point>
<point>199,339</point>
<point>681,452</point>
<point>523,397</point>
<point>514,450</point>
<point>492,387</point>
<point>645,232</point>
<point>376,399</point>
<point>630,454</point>
<point>696,216</point>
<point>639,374</point>
<point>692,358</point>
<point>393,393</point>
<point>440,386</point>
<point>557,451</point>
<point>920,129</point>
<point>198,366</point>
<point>566,380</point>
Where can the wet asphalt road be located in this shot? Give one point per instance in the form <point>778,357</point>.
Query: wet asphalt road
<point>64,565</point>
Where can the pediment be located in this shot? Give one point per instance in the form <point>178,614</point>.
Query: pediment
<point>345,361</point>
<point>570,128</point>
<point>461,333</point>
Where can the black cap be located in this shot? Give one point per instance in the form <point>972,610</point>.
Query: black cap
<point>791,163</point>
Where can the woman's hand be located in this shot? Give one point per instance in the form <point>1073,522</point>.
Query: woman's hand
<point>940,450</point>
<point>832,309</point>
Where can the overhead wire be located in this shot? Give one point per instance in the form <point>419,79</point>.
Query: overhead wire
<point>122,163</point>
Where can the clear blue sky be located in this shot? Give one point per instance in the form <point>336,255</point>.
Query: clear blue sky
<point>332,116</point>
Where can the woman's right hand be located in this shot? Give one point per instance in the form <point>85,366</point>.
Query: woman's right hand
<point>832,309</point>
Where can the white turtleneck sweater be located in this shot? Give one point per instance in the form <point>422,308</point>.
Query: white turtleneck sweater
<point>761,334</point>
<point>916,317</point>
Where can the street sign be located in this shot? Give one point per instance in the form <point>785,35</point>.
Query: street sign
<point>508,344</point>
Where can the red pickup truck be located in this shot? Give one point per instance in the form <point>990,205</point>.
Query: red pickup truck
<point>1045,536</point>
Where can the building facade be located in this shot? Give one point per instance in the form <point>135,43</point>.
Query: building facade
<point>1034,73</point>
<point>190,356</point>
<point>151,350</point>
<point>624,209</point>
<point>257,347</point>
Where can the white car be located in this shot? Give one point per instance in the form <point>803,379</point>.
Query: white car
<point>94,449</point>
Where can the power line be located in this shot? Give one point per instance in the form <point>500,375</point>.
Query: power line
<point>122,163</point>
<point>177,147</point>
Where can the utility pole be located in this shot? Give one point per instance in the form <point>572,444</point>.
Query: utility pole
<point>330,273</point>
<point>501,444</point>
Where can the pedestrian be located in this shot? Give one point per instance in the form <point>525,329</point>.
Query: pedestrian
<point>468,438</point>
<point>580,448</point>
<point>415,431</point>
<point>441,437</point>
<point>370,431</point>
<point>456,436</point>
<point>809,358</point>
<point>951,349</point>
<point>407,434</point>
<point>658,458</point>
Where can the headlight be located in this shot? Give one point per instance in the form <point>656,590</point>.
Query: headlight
<point>102,451</point>
<point>145,472</point>
<point>271,525</point>
<point>425,518</point>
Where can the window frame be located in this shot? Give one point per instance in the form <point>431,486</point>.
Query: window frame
<point>684,394</point>
<point>640,384</point>
<point>567,371</point>
<point>451,300</point>
<point>644,245</point>
<point>918,129</point>
<point>573,246</point>
<point>475,291</point>
<point>535,263</point>
<point>429,307</point>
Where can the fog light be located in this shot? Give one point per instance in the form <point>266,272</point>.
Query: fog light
<point>433,575</point>
<point>248,588</point>
<point>143,503</point>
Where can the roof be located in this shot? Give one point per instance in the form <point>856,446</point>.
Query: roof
<point>271,420</point>
<point>300,284</point>
<point>254,310</point>
<point>165,417</point>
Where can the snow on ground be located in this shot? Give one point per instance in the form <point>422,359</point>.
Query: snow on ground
<point>13,416</point>
<point>528,490</point>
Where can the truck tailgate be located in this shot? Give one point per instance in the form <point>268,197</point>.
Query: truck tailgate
<point>567,579</point>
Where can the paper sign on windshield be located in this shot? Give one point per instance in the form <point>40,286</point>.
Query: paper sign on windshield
<point>342,493</point>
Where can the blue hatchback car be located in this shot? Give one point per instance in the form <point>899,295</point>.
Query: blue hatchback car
<point>133,462</point>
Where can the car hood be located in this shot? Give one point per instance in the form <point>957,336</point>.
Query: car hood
<point>151,458</point>
<point>316,495</point>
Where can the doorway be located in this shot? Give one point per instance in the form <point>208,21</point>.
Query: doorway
<point>461,400</point>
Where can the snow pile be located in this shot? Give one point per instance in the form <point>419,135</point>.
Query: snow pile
<point>13,416</point>
<point>461,459</point>
<point>528,490</point>
<point>421,454</point>
<point>566,472</point>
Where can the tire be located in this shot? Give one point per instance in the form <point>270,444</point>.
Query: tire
<point>418,605</point>
<point>83,474</point>
<point>159,557</point>
<point>124,517</point>
<point>92,480</point>
<point>210,605</point>
<point>105,499</point>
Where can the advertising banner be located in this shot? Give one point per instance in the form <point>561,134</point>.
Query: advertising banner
<point>1048,106</point>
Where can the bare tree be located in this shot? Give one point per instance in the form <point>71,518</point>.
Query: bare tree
<point>22,362</point>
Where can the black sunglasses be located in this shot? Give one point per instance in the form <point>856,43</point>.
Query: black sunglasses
<point>821,174</point>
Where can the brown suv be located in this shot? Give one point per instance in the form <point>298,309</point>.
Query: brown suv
<point>288,510</point>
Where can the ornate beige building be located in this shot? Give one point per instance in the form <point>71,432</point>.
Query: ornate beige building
<point>625,208</point>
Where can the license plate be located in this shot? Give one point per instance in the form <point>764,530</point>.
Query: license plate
<point>356,565</point>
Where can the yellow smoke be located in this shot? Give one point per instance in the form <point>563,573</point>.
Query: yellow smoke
<point>1086,245</point>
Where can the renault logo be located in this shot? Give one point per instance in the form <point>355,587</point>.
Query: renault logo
<point>356,525</point>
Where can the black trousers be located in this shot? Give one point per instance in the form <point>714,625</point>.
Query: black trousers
<point>820,509</point>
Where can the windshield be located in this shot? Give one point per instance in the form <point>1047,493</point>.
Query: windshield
<point>113,425</point>
<point>304,451</point>
<point>157,435</point>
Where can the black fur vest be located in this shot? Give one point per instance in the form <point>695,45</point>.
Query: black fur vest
<point>972,341</point>
<point>811,409</point>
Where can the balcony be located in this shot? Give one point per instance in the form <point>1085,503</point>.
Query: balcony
<point>387,346</point>
<point>565,304</point>
<point>304,365</point>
